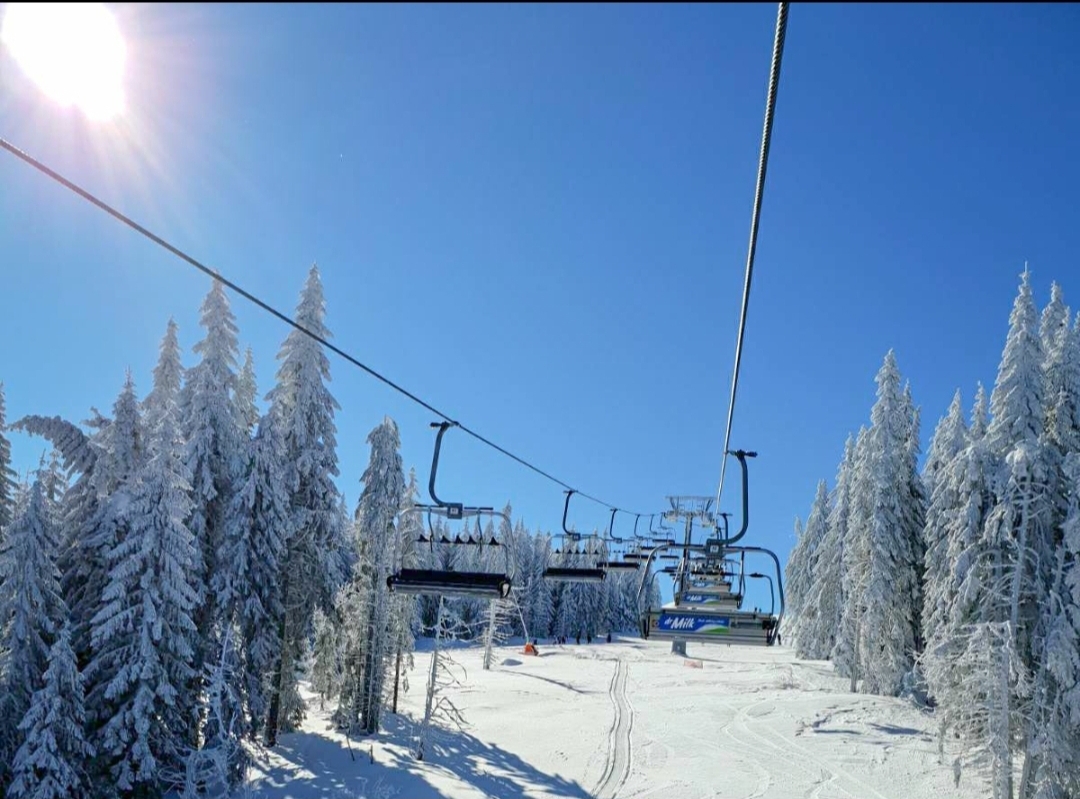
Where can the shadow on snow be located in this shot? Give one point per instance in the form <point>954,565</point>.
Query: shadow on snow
<point>320,766</point>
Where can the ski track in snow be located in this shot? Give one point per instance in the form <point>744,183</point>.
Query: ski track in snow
<point>750,724</point>
<point>619,753</point>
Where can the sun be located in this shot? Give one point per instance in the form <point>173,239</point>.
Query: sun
<point>73,51</point>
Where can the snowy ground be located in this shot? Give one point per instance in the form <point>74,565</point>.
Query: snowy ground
<point>630,720</point>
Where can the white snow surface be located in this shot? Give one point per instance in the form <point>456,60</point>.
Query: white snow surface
<point>628,720</point>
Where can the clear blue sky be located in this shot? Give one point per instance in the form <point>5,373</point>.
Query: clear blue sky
<point>536,216</point>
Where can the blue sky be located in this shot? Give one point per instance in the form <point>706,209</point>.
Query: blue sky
<point>536,218</point>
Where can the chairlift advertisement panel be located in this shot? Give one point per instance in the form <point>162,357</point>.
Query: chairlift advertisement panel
<point>706,600</point>
<point>693,625</point>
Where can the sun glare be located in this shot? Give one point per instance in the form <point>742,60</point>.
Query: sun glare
<point>73,51</point>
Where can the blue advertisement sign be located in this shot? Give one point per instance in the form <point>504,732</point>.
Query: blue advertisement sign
<point>705,599</point>
<point>695,625</point>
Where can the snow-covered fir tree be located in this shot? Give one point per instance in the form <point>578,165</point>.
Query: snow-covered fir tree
<point>31,611</point>
<point>891,594</point>
<point>376,517</point>
<point>1053,770</point>
<point>819,632</point>
<point>940,477</point>
<point>248,581</point>
<point>51,762</point>
<point>143,636</point>
<point>803,576</point>
<point>304,408</point>
<point>214,451</point>
<point>854,565</point>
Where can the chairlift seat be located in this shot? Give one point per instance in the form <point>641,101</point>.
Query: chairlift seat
<point>571,575</point>
<point>738,628</point>
<point>449,583</point>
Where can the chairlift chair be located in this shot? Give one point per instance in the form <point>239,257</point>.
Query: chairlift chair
<point>692,617</point>
<point>447,582</point>
<point>573,574</point>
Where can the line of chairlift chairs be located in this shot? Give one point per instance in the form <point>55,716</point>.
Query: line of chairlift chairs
<point>709,579</point>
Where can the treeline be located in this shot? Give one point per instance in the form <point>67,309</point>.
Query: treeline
<point>961,585</point>
<point>172,571</point>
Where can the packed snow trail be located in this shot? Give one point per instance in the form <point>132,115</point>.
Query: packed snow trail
<point>619,757</point>
<point>628,720</point>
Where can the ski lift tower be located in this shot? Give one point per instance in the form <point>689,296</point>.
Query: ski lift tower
<point>689,509</point>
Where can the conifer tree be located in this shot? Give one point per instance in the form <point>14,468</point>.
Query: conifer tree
<point>143,635</point>
<point>31,611</point>
<point>304,408</point>
<point>249,581</point>
<point>214,451</point>
<point>376,515</point>
<point>51,763</point>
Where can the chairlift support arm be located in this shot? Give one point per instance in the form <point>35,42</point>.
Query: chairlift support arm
<point>742,455</point>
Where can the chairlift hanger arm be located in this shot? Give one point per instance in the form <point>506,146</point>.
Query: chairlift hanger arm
<point>573,535</point>
<point>453,508</point>
<point>742,455</point>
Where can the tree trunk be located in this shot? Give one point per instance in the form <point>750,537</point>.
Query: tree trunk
<point>397,677</point>
<point>429,704</point>
<point>274,714</point>
<point>1039,698</point>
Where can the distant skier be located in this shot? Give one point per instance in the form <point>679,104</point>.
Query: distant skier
<point>589,638</point>
<point>609,638</point>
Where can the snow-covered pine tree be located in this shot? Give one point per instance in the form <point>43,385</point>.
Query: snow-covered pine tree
<point>376,515</point>
<point>891,598</point>
<point>143,634</point>
<point>304,407</point>
<point>796,581</point>
<point>31,611</point>
<point>249,579</point>
<point>1024,511</point>
<point>7,474</point>
<point>819,633</point>
<point>210,429</point>
<point>961,502</point>
<point>103,461</point>
<point>854,564</point>
<point>950,438</point>
<point>51,762</point>
<point>1050,751</point>
<point>994,628</point>
<point>1055,767</point>
<point>807,644</point>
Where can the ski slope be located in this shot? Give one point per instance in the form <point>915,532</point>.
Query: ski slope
<point>629,720</point>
